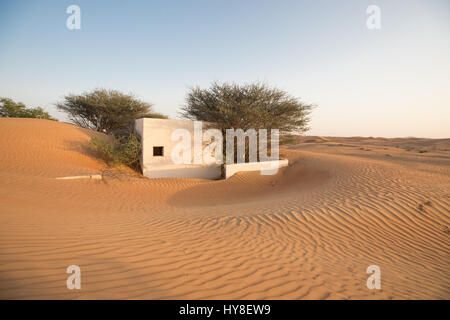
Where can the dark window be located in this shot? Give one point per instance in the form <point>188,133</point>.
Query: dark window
<point>158,151</point>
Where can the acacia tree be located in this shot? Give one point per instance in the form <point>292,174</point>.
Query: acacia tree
<point>255,106</point>
<point>106,110</point>
<point>11,109</point>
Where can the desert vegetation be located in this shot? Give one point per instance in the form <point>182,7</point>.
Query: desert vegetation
<point>254,105</point>
<point>12,109</point>
<point>119,150</point>
<point>111,112</point>
<point>108,111</point>
<point>248,106</point>
<point>227,105</point>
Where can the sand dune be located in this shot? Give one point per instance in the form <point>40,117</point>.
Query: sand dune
<point>308,232</point>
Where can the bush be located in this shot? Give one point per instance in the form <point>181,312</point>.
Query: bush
<point>119,150</point>
<point>11,109</point>
<point>106,111</point>
<point>289,139</point>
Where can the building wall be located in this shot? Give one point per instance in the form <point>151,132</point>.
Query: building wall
<point>157,133</point>
<point>266,167</point>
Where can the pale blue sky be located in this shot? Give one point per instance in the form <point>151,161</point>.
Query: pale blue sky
<point>389,82</point>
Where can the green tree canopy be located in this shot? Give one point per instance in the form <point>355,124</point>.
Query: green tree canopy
<point>106,110</point>
<point>11,109</point>
<point>256,106</point>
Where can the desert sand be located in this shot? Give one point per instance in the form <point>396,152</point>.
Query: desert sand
<point>308,232</point>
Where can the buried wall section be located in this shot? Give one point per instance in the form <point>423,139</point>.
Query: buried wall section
<point>265,167</point>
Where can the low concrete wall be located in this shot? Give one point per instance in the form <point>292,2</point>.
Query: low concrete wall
<point>183,171</point>
<point>266,167</point>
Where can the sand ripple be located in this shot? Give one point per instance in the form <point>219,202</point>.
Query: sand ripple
<point>307,233</point>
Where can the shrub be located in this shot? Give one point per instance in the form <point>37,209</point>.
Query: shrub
<point>119,150</point>
<point>106,110</point>
<point>11,109</point>
<point>289,139</point>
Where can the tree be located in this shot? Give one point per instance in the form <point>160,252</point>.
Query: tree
<point>256,106</point>
<point>11,109</point>
<point>250,106</point>
<point>106,110</point>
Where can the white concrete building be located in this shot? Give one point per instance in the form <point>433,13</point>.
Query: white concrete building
<point>157,146</point>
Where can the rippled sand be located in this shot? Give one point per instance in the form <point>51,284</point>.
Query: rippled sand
<point>308,232</point>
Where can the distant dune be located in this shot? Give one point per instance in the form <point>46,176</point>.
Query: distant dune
<point>308,232</point>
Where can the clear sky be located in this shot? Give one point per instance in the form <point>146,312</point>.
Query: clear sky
<point>391,82</point>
